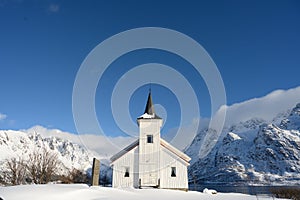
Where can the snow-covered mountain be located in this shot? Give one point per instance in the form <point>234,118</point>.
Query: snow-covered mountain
<point>19,144</point>
<point>292,122</point>
<point>253,151</point>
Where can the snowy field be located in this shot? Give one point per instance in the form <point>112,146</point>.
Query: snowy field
<point>84,192</point>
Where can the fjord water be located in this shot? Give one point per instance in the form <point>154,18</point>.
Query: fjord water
<point>245,189</point>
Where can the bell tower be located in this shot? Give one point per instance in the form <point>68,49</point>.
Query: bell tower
<point>149,145</point>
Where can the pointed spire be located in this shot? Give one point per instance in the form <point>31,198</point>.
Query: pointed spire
<point>149,106</point>
<point>149,112</point>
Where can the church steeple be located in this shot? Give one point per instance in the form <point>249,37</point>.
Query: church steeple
<point>149,106</point>
<point>149,112</point>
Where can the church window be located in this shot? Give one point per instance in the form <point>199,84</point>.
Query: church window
<point>149,138</point>
<point>173,171</point>
<point>126,172</point>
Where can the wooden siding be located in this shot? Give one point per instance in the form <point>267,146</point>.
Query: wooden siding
<point>128,160</point>
<point>167,161</point>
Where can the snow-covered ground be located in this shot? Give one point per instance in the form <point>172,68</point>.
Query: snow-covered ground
<point>84,192</point>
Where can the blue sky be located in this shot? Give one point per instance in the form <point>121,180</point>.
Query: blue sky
<point>255,44</point>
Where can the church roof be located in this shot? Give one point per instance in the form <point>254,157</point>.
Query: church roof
<point>163,143</point>
<point>149,106</point>
<point>174,150</point>
<point>124,151</point>
<point>149,112</point>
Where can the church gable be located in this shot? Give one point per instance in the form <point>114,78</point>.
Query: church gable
<point>125,169</point>
<point>176,152</point>
<point>124,151</point>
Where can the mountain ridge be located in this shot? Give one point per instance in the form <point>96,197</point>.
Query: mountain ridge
<point>251,152</point>
<point>71,156</point>
<point>254,152</point>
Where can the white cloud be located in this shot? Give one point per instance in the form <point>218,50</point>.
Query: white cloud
<point>2,116</point>
<point>266,107</point>
<point>53,8</point>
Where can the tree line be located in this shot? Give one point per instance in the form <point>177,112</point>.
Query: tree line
<point>41,167</point>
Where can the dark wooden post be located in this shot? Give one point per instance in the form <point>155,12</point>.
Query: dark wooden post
<point>95,172</point>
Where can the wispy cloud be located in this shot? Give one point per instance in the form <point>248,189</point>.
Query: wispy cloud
<point>2,116</point>
<point>54,7</point>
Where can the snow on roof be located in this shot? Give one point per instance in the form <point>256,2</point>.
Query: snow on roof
<point>147,116</point>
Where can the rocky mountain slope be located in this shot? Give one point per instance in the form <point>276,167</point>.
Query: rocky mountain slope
<point>251,152</point>
<point>18,144</point>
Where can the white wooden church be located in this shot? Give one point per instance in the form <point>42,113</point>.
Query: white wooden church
<point>150,161</point>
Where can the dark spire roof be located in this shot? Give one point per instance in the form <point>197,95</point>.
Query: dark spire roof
<point>150,108</point>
